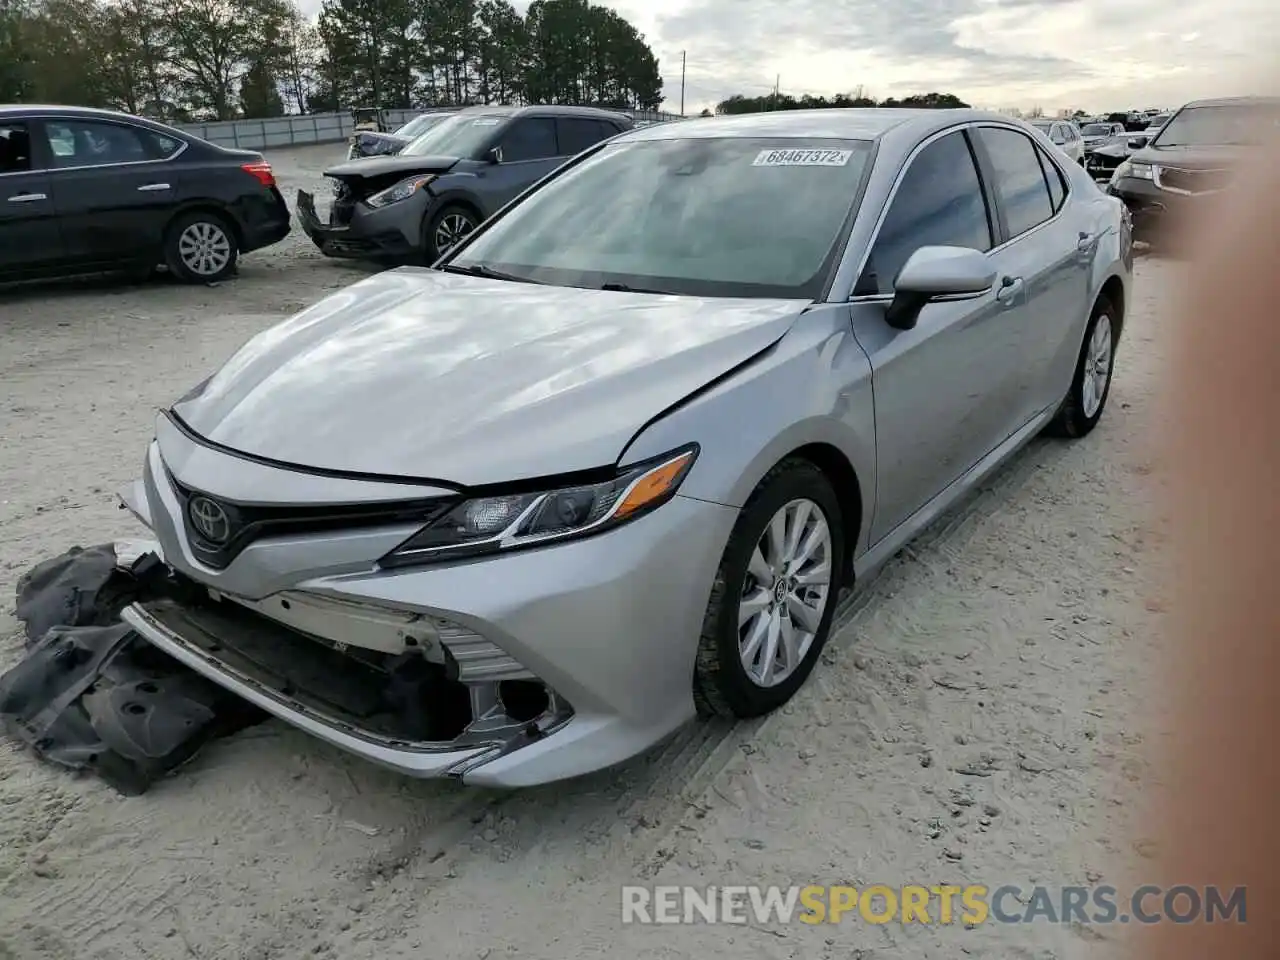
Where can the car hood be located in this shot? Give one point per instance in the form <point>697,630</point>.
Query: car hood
<point>421,374</point>
<point>1192,158</point>
<point>378,167</point>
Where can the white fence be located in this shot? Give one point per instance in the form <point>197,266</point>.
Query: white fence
<point>316,128</point>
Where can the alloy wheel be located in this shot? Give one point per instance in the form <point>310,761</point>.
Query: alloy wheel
<point>785,596</point>
<point>1097,369</point>
<point>451,229</point>
<point>205,248</point>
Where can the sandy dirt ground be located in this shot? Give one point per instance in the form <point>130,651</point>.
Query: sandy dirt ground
<point>979,717</point>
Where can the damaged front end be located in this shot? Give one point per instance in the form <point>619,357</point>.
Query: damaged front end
<point>132,667</point>
<point>419,694</point>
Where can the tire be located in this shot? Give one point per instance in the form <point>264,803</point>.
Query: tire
<point>452,220</point>
<point>1082,408</point>
<point>722,685</point>
<point>201,247</point>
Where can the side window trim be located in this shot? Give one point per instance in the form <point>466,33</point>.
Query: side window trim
<point>40,144</point>
<point>989,171</point>
<point>988,197</point>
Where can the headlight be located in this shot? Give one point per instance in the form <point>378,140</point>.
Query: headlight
<point>401,191</point>
<point>1139,171</point>
<point>487,525</point>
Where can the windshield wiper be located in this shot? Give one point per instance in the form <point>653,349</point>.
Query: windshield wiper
<point>484,270</point>
<point>623,288</point>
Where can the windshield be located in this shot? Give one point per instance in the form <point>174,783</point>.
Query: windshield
<point>461,135</point>
<point>1096,130</point>
<point>1220,126</point>
<point>731,217</point>
<point>1044,125</point>
<point>419,125</point>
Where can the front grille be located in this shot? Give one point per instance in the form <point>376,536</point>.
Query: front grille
<point>246,524</point>
<point>1193,181</point>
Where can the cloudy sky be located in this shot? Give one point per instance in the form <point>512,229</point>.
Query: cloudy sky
<point>1091,54</point>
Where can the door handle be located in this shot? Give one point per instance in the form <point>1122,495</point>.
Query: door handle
<point>153,187</point>
<point>1010,287</point>
<point>27,197</point>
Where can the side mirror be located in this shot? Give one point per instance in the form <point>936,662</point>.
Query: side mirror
<point>1137,143</point>
<point>494,155</point>
<point>932,273</point>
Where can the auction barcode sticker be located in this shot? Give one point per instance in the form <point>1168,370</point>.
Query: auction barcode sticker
<point>802,158</point>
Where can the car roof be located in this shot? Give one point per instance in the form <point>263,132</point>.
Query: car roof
<point>1236,101</point>
<point>14,111</point>
<point>838,123</point>
<point>547,110</point>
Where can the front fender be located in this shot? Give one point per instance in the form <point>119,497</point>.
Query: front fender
<point>812,387</point>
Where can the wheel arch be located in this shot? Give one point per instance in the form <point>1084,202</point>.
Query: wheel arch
<point>847,487</point>
<point>457,198</point>
<point>1114,293</point>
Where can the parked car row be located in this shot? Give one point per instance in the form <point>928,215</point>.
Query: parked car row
<point>437,189</point>
<point>609,464</point>
<point>1171,172</point>
<point>85,190</point>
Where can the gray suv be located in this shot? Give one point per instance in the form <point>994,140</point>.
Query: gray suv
<point>441,186</point>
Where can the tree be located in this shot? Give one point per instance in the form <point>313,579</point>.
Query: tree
<point>219,59</point>
<point>782,101</point>
<point>300,65</point>
<point>259,92</point>
<point>583,53</point>
<point>15,56</point>
<point>214,43</point>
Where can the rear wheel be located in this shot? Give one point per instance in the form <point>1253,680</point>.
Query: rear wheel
<point>446,229</point>
<point>774,595</point>
<point>200,247</point>
<point>1082,408</point>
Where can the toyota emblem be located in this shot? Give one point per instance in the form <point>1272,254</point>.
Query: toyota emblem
<point>210,520</point>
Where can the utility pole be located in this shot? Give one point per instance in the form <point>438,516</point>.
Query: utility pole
<point>682,53</point>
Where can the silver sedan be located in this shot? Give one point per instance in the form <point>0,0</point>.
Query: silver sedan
<point>610,463</point>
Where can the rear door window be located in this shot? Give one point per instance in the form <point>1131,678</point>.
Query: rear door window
<point>531,138</point>
<point>1020,179</point>
<point>581,133</point>
<point>93,143</point>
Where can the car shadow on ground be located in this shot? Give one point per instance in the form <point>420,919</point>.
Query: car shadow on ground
<point>116,283</point>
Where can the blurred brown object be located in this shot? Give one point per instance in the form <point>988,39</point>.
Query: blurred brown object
<point>1223,770</point>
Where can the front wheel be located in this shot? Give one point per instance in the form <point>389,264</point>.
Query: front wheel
<point>201,247</point>
<point>774,595</point>
<point>1091,386</point>
<point>445,230</point>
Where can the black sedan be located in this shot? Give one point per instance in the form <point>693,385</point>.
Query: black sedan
<point>83,191</point>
